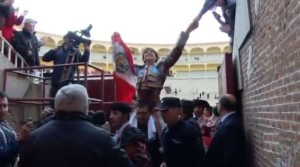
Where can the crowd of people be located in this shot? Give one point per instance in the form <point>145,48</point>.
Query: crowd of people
<point>151,132</point>
<point>125,135</point>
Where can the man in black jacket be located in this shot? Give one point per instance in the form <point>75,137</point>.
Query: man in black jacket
<point>182,143</point>
<point>26,43</point>
<point>187,109</point>
<point>228,145</point>
<point>70,139</point>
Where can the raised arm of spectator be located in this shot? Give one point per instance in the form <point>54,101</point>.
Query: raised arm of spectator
<point>19,20</point>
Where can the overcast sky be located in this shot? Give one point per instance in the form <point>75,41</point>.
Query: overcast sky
<point>138,21</point>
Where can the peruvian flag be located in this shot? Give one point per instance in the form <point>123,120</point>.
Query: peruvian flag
<point>124,70</point>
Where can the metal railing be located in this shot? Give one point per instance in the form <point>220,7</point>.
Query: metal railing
<point>8,51</point>
<point>43,80</point>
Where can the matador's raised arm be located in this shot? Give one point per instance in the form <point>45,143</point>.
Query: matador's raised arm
<point>176,52</point>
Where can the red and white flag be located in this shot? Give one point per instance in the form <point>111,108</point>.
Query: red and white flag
<point>124,70</point>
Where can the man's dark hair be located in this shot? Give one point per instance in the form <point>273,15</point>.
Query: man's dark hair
<point>209,109</point>
<point>98,118</point>
<point>142,104</point>
<point>201,103</point>
<point>122,107</point>
<point>226,103</point>
<point>3,95</point>
<point>187,108</point>
<point>151,49</point>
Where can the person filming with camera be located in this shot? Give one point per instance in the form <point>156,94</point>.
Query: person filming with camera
<point>67,53</point>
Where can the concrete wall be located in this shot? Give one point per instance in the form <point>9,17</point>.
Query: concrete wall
<point>16,85</point>
<point>19,87</point>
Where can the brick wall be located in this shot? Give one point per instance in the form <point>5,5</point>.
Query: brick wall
<point>271,96</point>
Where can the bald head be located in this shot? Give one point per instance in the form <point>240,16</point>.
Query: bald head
<point>227,103</point>
<point>72,98</point>
<point>230,97</point>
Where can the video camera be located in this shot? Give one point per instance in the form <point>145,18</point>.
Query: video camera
<point>77,36</point>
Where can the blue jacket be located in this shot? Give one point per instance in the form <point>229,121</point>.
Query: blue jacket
<point>228,146</point>
<point>9,145</point>
<point>59,56</point>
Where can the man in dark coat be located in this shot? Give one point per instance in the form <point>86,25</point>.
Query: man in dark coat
<point>182,143</point>
<point>228,145</point>
<point>70,139</point>
<point>187,109</point>
<point>26,43</point>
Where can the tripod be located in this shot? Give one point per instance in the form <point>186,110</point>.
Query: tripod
<point>67,70</point>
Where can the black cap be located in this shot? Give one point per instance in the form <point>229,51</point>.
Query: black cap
<point>98,118</point>
<point>168,102</point>
<point>122,107</point>
<point>201,103</point>
<point>187,108</point>
<point>187,104</point>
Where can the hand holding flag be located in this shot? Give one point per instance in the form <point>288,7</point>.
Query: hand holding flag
<point>124,70</point>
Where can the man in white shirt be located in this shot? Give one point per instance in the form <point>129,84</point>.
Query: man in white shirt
<point>144,121</point>
<point>129,138</point>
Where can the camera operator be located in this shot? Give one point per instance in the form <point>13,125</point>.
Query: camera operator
<point>61,55</point>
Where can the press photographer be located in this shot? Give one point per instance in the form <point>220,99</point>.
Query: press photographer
<point>68,53</point>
